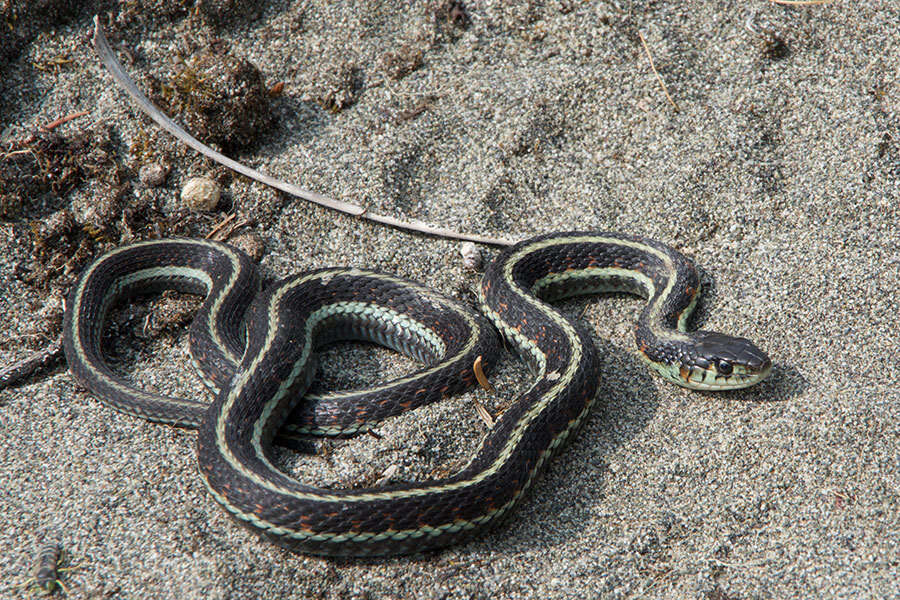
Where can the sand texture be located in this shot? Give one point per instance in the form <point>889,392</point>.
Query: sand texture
<point>778,173</point>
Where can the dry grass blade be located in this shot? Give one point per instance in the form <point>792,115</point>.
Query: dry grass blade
<point>485,384</point>
<point>484,414</point>
<point>480,376</point>
<point>662,83</point>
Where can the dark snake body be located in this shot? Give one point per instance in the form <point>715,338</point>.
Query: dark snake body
<point>263,374</point>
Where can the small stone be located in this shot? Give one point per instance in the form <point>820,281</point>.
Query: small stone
<point>471,256</point>
<point>404,61</point>
<point>152,175</point>
<point>219,13</point>
<point>201,193</point>
<point>337,87</point>
<point>51,313</point>
<point>56,224</point>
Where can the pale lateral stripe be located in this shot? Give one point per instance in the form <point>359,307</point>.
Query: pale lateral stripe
<point>400,320</point>
<point>656,306</point>
<point>399,535</point>
<point>502,458</point>
<point>196,274</point>
<point>689,310</point>
<point>323,496</point>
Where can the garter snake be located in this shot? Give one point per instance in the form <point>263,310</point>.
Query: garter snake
<point>256,348</point>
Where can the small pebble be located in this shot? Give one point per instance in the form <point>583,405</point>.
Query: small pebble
<point>471,256</point>
<point>152,175</point>
<point>201,193</point>
<point>53,305</point>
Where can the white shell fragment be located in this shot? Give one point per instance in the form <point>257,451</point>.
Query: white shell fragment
<point>471,256</point>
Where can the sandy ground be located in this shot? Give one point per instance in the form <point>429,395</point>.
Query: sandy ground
<point>779,174</point>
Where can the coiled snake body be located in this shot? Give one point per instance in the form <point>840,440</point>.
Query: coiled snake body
<point>257,350</point>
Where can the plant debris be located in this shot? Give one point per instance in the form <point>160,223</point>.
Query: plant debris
<point>221,13</point>
<point>220,97</point>
<point>21,21</point>
<point>450,17</point>
<point>37,172</point>
<point>404,61</point>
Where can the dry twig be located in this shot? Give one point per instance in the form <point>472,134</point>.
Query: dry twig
<point>54,124</point>
<point>211,235</point>
<point>662,83</point>
<point>800,2</point>
<point>484,414</point>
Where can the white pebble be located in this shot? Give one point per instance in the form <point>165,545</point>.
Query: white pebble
<point>251,243</point>
<point>201,193</point>
<point>387,475</point>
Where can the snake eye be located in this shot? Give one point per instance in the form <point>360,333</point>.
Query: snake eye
<point>724,367</point>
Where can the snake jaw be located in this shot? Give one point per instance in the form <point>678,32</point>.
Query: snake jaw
<point>710,380</point>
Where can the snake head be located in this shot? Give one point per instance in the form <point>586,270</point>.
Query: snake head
<point>722,362</point>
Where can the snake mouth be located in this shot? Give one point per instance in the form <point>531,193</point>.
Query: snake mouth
<point>709,379</point>
<point>742,376</point>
